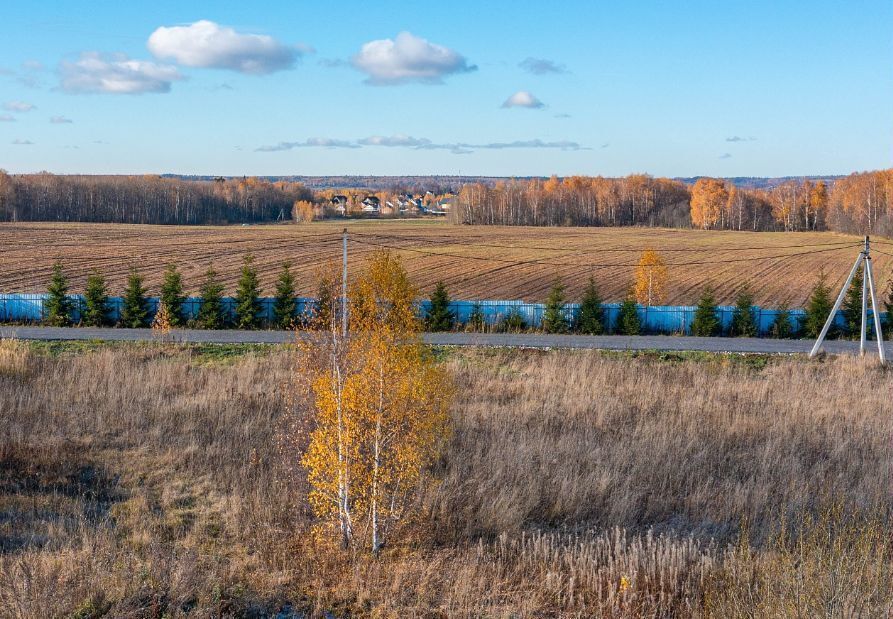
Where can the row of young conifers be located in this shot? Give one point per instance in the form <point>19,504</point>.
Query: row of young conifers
<point>245,311</point>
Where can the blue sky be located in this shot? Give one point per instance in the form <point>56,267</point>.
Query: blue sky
<point>753,88</point>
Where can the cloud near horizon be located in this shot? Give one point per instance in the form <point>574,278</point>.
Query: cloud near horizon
<point>206,44</point>
<point>308,143</point>
<point>94,72</point>
<point>542,66</point>
<point>405,141</point>
<point>22,142</point>
<point>524,99</point>
<point>407,58</point>
<point>60,120</point>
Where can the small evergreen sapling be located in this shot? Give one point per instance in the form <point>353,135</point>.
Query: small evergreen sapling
<point>285,304</point>
<point>888,302</point>
<point>818,308</point>
<point>852,306</point>
<point>706,322</point>
<point>476,321</point>
<point>782,327</point>
<point>440,317</point>
<point>135,310</point>
<point>172,296</point>
<point>553,314</point>
<point>210,313</point>
<point>628,322</point>
<point>58,307</point>
<point>744,322</point>
<point>248,307</point>
<point>95,301</point>
<point>592,313</point>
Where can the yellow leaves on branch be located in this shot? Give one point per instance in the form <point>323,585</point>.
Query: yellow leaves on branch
<point>381,408</point>
<point>651,279</point>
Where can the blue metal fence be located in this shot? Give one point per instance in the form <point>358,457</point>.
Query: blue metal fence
<point>671,319</point>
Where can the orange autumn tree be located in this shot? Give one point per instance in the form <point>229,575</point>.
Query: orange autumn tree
<point>708,198</point>
<point>381,408</point>
<point>651,278</point>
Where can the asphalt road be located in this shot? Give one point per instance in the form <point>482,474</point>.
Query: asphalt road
<point>524,340</point>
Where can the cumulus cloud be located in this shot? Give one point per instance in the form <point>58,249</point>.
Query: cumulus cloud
<point>60,120</point>
<point>18,106</point>
<point>414,143</point>
<point>207,44</point>
<point>7,118</point>
<point>115,74</point>
<point>522,98</point>
<point>22,142</point>
<point>308,143</point>
<point>541,66</point>
<point>408,58</point>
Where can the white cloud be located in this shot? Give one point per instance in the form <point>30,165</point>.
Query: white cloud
<point>395,140</point>
<point>22,142</point>
<point>725,156</point>
<point>408,58</point>
<point>7,118</point>
<point>18,106</point>
<point>60,120</point>
<point>308,143</point>
<point>33,65</point>
<point>115,74</point>
<point>541,66</point>
<point>522,98</point>
<point>406,141</point>
<point>209,45</point>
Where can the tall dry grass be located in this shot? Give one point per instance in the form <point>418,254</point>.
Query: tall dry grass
<point>141,482</point>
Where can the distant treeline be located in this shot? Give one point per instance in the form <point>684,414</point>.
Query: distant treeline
<point>859,203</point>
<point>145,199</point>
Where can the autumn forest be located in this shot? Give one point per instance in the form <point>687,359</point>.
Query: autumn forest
<point>858,203</point>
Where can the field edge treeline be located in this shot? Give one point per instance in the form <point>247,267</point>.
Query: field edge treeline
<point>859,203</point>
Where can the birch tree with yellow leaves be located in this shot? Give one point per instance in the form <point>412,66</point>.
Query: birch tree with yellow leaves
<point>651,279</point>
<point>381,408</point>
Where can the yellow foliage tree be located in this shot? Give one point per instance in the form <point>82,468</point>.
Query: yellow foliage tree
<point>651,278</point>
<point>708,197</point>
<point>302,211</point>
<point>381,409</point>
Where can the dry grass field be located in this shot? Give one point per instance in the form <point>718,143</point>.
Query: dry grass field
<point>149,482</point>
<point>476,262</point>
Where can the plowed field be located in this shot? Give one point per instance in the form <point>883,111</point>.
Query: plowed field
<point>475,262</point>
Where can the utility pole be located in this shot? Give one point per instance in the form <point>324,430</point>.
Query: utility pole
<point>344,284</point>
<point>864,329</point>
<point>864,260</point>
